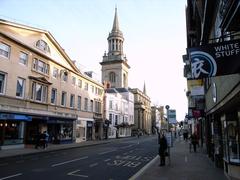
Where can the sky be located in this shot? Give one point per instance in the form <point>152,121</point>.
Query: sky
<point>154,39</point>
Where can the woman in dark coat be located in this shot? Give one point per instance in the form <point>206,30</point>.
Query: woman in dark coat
<point>162,149</point>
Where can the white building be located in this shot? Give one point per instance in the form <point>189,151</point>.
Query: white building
<point>119,111</point>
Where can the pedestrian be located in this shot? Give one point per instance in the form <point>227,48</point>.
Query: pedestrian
<point>162,149</point>
<point>45,139</point>
<point>194,141</point>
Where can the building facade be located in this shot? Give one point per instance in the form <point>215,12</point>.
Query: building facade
<point>216,22</point>
<point>119,109</point>
<point>42,89</point>
<point>142,111</point>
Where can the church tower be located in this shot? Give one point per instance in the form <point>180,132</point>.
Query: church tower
<point>114,64</point>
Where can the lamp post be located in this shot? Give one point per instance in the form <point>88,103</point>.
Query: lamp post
<point>167,108</point>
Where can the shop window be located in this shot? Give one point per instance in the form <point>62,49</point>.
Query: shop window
<point>13,133</point>
<point>231,142</point>
<point>66,131</point>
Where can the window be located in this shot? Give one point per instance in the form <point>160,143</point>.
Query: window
<point>92,87</point>
<point>20,87</point>
<point>55,72</point>
<point>86,86</point>
<point>2,82</point>
<point>112,77</point>
<point>97,107</point>
<point>64,98</point>
<point>96,90</point>
<point>85,104</point>
<point>23,58</point>
<point>40,66</point>
<point>110,105</point>
<point>116,119</point>
<point>64,75</point>
<point>79,103</point>
<point>100,91</point>
<point>54,96</point>
<point>110,118</point>
<point>39,92</point>
<point>91,106</point>
<point>42,45</point>
<point>72,101</point>
<point>73,80</point>
<point>4,50</point>
<point>79,83</point>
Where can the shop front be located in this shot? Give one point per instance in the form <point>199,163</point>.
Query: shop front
<point>12,129</point>
<point>60,129</point>
<point>231,143</point>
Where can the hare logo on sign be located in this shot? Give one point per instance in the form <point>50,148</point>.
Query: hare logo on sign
<point>203,64</point>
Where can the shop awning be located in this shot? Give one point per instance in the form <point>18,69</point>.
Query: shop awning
<point>20,117</point>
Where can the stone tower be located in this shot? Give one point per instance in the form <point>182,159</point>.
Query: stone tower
<point>114,64</point>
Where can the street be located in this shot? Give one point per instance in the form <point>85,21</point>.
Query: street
<point>115,160</point>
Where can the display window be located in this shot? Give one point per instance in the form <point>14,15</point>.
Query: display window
<point>231,141</point>
<point>11,132</point>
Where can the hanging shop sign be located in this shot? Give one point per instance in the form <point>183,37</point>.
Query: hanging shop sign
<point>215,59</point>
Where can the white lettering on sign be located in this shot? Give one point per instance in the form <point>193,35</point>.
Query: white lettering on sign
<point>227,50</point>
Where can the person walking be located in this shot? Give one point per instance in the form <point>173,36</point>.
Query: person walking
<point>45,139</point>
<point>162,149</point>
<point>194,141</point>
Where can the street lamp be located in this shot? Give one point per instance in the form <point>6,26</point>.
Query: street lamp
<point>167,108</point>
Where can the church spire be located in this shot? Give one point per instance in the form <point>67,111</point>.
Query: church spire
<point>115,27</point>
<point>144,89</point>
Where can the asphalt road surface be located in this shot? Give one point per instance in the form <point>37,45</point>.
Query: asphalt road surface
<point>118,160</point>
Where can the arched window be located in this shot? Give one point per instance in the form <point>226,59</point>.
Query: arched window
<point>43,46</point>
<point>112,77</point>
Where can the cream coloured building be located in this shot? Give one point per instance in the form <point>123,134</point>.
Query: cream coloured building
<point>142,111</point>
<point>42,89</point>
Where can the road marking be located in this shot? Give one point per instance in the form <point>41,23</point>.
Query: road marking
<point>186,159</point>
<point>92,165</point>
<point>79,175</point>
<point>106,160</point>
<point>106,152</point>
<point>66,162</point>
<point>8,177</point>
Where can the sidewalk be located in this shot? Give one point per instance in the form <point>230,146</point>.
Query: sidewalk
<point>11,153</point>
<point>183,166</point>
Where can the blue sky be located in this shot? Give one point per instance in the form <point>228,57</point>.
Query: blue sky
<point>154,32</point>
